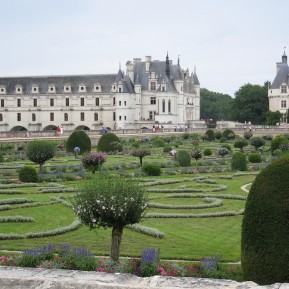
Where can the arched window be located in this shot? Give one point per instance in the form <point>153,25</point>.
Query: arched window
<point>169,106</point>
<point>1,117</point>
<point>33,117</point>
<point>96,116</point>
<point>66,117</point>
<point>164,105</point>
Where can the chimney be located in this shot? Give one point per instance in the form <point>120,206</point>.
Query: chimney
<point>130,70</point>
<point>148,63</point>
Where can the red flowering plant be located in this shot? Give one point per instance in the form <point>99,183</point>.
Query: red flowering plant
<point>93,161</point>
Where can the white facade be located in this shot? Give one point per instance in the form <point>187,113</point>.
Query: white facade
<point>149,93</point>
<point>278,92</point>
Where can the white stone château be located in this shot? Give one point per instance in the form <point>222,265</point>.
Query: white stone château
<point>278,92</point>
<point>149,93</point>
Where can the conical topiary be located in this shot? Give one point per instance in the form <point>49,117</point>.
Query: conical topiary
<point>265,228</point>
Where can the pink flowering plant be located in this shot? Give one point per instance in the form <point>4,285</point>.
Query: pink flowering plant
<point>93,161</point>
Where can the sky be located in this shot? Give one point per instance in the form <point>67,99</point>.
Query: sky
<point>229,42</point>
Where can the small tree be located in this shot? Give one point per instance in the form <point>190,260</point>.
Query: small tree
<point>223,151</point>
<point>110,203</point>
<point>140,153</point>
<point>183,158</point>
<point>239,162</point>
<point>39,151</point>
<point>247,134</point>
<point>196,154</point>
<point>240,144</point>
<point>211,135</point>
<point>257,142</point>
<point>92,162</point>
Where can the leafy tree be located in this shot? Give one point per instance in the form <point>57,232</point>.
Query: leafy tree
<point>196,154</point>
<point>110,203</point>
<point>214,105</point>
<point>223,151</point>
<point>93,161</point>
<point>250,104</point>
<point>240,144</point>
<point>140,153</point>
<point>39,151</point>
<point>265,230</point>
<point>273,117</point>
<point>79,138</point>
<point>257,142</point>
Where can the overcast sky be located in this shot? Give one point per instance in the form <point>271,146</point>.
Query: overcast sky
<point>231,42</point>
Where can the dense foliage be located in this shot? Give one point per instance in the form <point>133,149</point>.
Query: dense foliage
<point>254,158</point>
<point>152,169</point>
<point>79,138</point>
<point>265,227</point>
<point>110,202</point>
<point>93,161</point>
<point>183,158</point>
<point>228,134</point>
<point>277,141</point>
<point>240,144</point>
<point>273,117</point>
<point>109,142</point>
<point>239,162</point>
<point>250,104</point>
<point>257,142</point>
<point>39,151</point>
<point>211,135</point>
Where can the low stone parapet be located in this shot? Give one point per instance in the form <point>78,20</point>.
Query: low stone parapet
<point>32,278</point>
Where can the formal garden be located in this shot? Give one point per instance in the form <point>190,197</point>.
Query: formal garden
<point>184,219</point>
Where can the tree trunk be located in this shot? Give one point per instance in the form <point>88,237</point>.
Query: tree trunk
<point>115,242</point>
<point>140,160</point>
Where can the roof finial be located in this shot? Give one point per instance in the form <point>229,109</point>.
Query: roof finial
<point>119,65</point>
<point>167,66</point>
<point>179,60</point>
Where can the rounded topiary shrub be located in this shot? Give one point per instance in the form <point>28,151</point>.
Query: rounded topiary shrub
<point>78,138</point>
<point>254,158</point>
<point>167,149</point>
<point>265,229</point>
<point>228,134</point>
<point>158,142</point>
<point>211,135</point>
<point>222,139</point>
<point>208,152</point>
<point>239,162</point>
<point>227,146</point>
<point>218,134</point>
<point>109,142</point>
<point>151,169</point>
<point>28,174</point>
<point>183,158</point>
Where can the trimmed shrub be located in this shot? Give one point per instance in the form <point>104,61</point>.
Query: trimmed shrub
<point>240,144</point>
<point>211,135</point>
<point>267,137</point>
<point>255,158</point>
<point>140,153</point>
<point>204,137</point>
<point>218,134</point>
<point>183,158</point>
<point>158,142</point>
<point>93,161</point>
<point>152,169</point>
<point>247,134</point>
<point>208,152</point>
<point>228,134</point>
<point>78,138</point>
<point>223,151</point>
<point>277,141</point>
<point>257,142</point>
<point>109,142</point>
<point>28,174</point>
<point>186,135</point>
<point>265,230</point>
<point>239,162</point>
<point>227,146</point>
<point>135,145</point>
<point>222,139</point>
<point>167,149</point>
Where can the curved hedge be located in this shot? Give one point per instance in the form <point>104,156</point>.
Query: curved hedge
<point>265,228</point>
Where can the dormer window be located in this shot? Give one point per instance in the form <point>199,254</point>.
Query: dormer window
<point>18,89</point>
<point>283,88</point>
<point>82,88</point>
<point>34,89</point>
<point>153,85</point>
<point>51,88</point>
<point>2,89</point>
<point>97,87</point>
<point>67,88</point>
<point>113,88</point>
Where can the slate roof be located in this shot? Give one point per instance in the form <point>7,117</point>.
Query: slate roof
<point>105,80</point>
<point>282,74</point>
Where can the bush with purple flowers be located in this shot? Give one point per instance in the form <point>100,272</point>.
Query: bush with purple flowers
<point>93,161</point>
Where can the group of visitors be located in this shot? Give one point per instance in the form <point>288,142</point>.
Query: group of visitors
<point>59,130</point>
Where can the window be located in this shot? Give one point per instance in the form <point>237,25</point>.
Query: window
<point>283,103</point>
<point>66,117</point>
<point>51,116</point>
<point>119,117</point>
<point>1,117</point>
<point>97,101</point>
<point>51,88</point>
<point>164,105</point>
<point>125,117</point>
<point>2,102</point>
<point>119,103</point>
<point>119,89</point>
<point>82,101</point>
<point>82,88</point>
<point>113,116</point>
<point>18,116</point>
<point>34,88</point>
<point>51,101</point>
<point>18,89</point>
<point>67,101</point>
<point>169,106</point>
<point>283,88</point>
<point>82,116</point>
<point>33,117</point>
<point>153,100</point>
<point>2,89</point>
<point>124,103</point>
<point>163,88</point>
<point>113,101</point>
<point>152,115</point>
<point>34,102</point>
<point>153,85</point>
<point>96,116</point>
<point>18,102</point>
